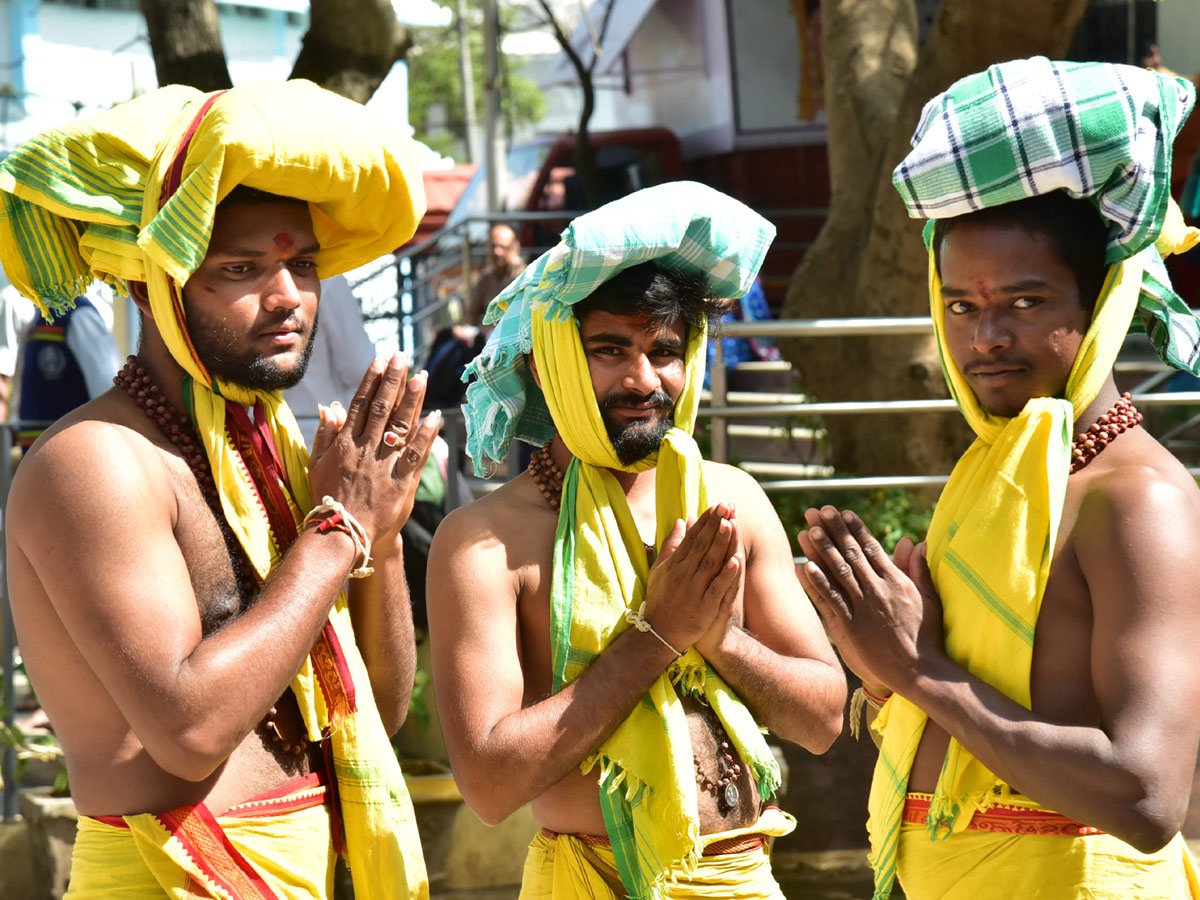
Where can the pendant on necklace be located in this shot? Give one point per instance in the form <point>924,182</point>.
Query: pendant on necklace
<point>732,795</point>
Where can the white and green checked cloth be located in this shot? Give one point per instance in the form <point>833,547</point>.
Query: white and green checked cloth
<point>1097,130</point>
<point>682,225</point>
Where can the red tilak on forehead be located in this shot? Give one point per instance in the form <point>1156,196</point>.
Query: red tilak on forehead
<point>284,242</point>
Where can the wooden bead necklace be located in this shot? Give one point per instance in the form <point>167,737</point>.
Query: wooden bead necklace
<point>546,475</point>
<point>1088,444</point>
<point>175,426</point>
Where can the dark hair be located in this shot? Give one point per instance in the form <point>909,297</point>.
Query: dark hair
<point>243,194</point>
<point>659,293</point>
<point>1072,227</point>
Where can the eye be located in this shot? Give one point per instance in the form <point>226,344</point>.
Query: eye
<point>1026,302</point>
<point>958,307</point>
<point>237,268</point>
<point>304,265</point>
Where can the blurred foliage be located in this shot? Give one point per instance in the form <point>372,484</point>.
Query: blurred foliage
<point>418,703</point>
<point>890,513</point>
<point>434,78</point>
<point>43,747</point>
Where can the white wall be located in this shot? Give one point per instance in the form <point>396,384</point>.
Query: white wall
<point>1179,35</point>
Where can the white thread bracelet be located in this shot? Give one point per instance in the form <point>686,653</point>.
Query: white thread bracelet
<point>638,621</point>
<point>352,527</point>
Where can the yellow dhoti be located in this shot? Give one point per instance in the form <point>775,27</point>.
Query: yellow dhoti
<point>277,845</point>
<point>565,866</point>
<point>1020,849</point>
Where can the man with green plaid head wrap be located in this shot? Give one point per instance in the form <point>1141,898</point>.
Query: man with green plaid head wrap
<point>613,628</point>
<point>1028,670</point>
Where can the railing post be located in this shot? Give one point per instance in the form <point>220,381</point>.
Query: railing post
<point>466,268</point>
<point>717,384</point>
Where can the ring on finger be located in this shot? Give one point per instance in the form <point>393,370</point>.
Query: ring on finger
<point>392,439</point>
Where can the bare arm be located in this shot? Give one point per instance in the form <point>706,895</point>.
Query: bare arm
<point>505,748</point>
<point>127,598</point>
<point>772,650</point>
<point>1131,774</point>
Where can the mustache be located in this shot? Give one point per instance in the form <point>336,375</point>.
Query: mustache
<point>659,399</point>
<point>1000,362</point>
<point>288,320</point>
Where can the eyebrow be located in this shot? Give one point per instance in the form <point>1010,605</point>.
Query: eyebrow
<point>254,253</point>
<point>609,337</point>
<point>621,340</point>
<point>1029,284</point>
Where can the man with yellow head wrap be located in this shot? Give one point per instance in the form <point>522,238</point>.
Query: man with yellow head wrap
<point>177,562</point>
<point>612,629</point>
<point>1031,665</point>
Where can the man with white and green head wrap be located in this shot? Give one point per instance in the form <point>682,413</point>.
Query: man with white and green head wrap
<point>178,561</point>
<point>614,627</point>
<point>1030,667</point>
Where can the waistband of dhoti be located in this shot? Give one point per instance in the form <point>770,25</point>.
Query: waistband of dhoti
<point>1003,819</point>
<point>743,843</point>
<point>292,796</point>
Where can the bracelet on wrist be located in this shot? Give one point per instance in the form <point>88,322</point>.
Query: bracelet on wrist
<point>330,515</point>
<point>638,621</point>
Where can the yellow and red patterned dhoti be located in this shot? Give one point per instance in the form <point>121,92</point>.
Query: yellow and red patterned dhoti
<point>1020,849</point>
<point>276,845</point>
<point>735,864</point>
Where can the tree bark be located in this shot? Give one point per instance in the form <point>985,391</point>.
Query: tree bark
<point>868,259</point>
<point>185,40</point>
<point>351,46</point>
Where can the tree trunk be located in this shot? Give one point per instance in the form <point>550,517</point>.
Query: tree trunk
<point>868,259</point>
<point>351,46</point>
<point>185,40</point>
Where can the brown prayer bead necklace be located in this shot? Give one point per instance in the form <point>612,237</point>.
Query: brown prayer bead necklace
<point>1088,444</point>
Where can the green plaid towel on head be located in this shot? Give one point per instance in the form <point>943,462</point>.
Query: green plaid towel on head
<point>682,225</point>
<point>1097,130</point>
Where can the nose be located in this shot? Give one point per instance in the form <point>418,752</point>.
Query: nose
<point>641,376</point>
<point>991,332</point>
<point>282,291</point>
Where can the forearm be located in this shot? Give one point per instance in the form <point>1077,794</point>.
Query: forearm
<point>528,751</point>
<point>1076,770</point>
<point>799,699</point>
<point>251,661</point>
<point>381,610</point>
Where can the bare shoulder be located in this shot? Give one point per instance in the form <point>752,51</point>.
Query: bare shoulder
<point>756,514</point>
<point>504,530</point>
<point>92,466</point>
<point>728,483</point>
<point>1138,505</point>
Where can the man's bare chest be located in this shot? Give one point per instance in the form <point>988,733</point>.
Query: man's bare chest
<point>220,582</point>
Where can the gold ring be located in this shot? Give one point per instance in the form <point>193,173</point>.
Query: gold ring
<point>391,439</point>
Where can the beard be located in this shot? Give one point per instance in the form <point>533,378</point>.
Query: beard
<point>636,440</point>
<point>224,354</point>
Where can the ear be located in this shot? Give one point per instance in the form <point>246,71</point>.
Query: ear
<point>537,379</point>
<point>140,297</point>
